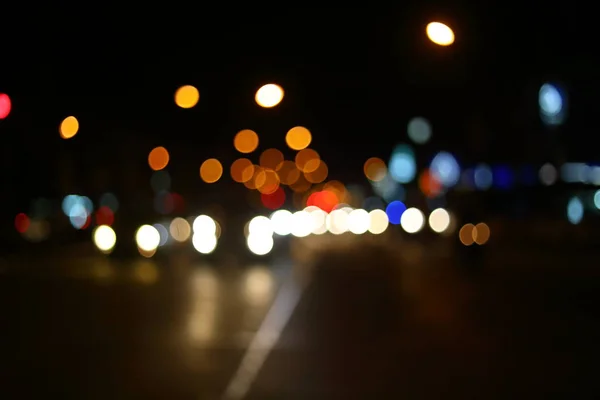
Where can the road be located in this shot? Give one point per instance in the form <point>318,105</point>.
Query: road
<point>373,322</point>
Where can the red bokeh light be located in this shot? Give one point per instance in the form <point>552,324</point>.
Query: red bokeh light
<point>273,200</point>
<point>22,222</point>
<point>429,185</point>
<point>105,216</point>
<point>326,200</point>
<point>5,105</point>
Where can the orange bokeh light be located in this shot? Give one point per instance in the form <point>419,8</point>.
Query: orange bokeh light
<point>158,158</point>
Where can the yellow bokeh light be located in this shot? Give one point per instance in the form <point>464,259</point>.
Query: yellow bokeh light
<point>440,34</point>
<point>307,160</point>
<point>319,174</point>
<point>211,170</point>
<point>69,128</point>
<point>158,158</point>
<point>298,138</point>
<point>245,141</point>
<point>242,170</point>
<point>288,172</point>
<point>269,96</point>
<point>187,96</point>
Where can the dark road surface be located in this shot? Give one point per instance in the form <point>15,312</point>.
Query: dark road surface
<point>372,324</point>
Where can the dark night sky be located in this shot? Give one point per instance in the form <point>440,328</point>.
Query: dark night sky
<point>349,73</point>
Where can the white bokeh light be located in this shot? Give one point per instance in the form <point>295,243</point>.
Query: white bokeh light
<point>204,225</point>
<point>412,220</point>
<point>147,238</point>
<point>439,220</point>
<point>105,238</point>
<point>204,243</point>
<point>281,222</point>
<point>260,225</point>
<point>359,221</point>
<point>260,244</point>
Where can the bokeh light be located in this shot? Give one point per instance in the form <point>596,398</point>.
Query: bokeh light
<point>307,160</point>
<point>375,169</point>
<point>481,233</point>
<point>467,234</point>
<point>211,170</point>
<point>402,165</point>
<point>5,105</point>
<point>187,96</point>
<point>180,229</point>
<point>298,138</point>
<point>147,238</point>
<point>394,211</point>
<point>69,127</point>
<point>269,96</point>
<point>439,33</point>
<point>419,130</point>
<point>104,238</point>
<point>379,222</point>
<point>158,158</point>
<point>245,141</point>
<point>445,169</point>
<point>439,220</point>
<point>552,103</point>
<point>242,170</point>
<point>281,222</point>
<point>271,159</point>
<point>288,172</point>
<point>412,220</point>
<point>319,174</point>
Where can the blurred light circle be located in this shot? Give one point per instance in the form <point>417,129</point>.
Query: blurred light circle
<point>298,138</point>
<point>261,226</point>
<point>5,105</point>
<point>597,199</point>
<point>163,232</point>
<point>269,96</point>
<point>412,220</point>
<point>402,166</point>
<point>419,130</point>
<point>211,170</point>
<point>204,244</point>
<point>439,220</point>
<point>483,177</point>
<point>187,96</point>
<point>69,127</point>
<point>394,212</point>
<point>439,33</point>
<point>245,141</point>
<point>379,222</point>
<point>445,169</point>
<point>260,244</point>
<point>548,174</point>
<point>575,210</point>
<point>550,100</point>
<point>180,229</point>
<point>359,221</point>
<point>375,169</point>
<point>281,222</point>
<point>302,224</point>
<point>158,158</point>
<point>105,238</point>
<point>204,225</point>
<point>147,238</point>
<point>552,103</point>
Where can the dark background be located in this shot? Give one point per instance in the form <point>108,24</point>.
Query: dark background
<point>354,75</point>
